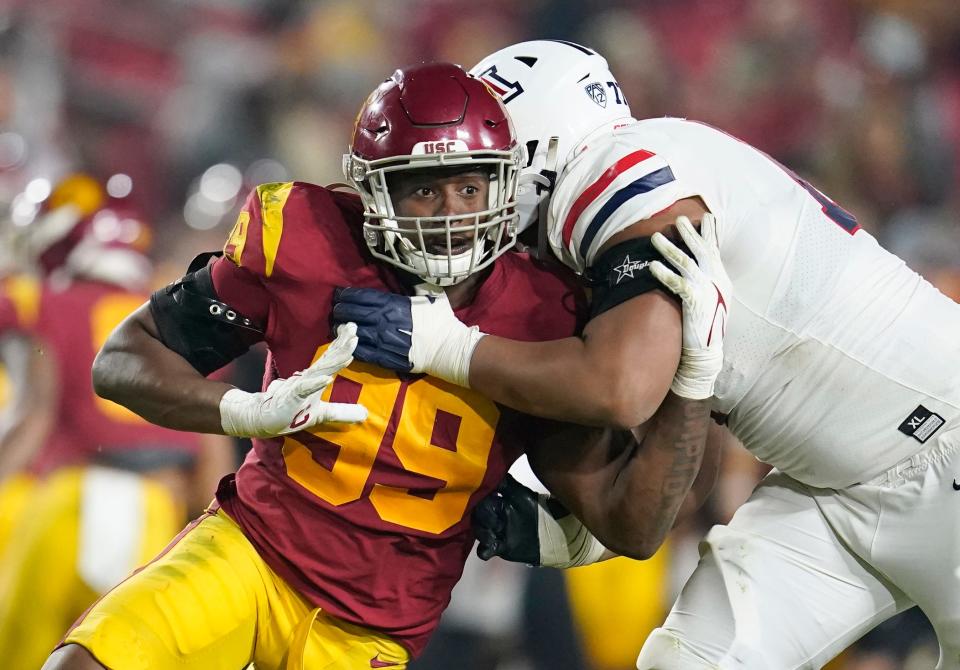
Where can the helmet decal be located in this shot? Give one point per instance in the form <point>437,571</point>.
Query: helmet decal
<point>568,93</point>
<point>506,89</point>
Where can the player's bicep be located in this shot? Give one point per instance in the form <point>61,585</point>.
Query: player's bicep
<point>635,329</point>
<point>635,348</point>
<point>661,222</point>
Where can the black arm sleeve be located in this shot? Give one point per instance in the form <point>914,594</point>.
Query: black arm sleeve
<point>195,324</point>
<point>621,273</point>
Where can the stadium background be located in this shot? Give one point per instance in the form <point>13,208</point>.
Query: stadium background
<point>198,101</point>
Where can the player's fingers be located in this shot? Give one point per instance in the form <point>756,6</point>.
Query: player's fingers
<point>341,412</point>
<point>671,252</point>
<point>368,297</point>
<point>333,361</point>
<point>487,548</point>
<point>509,483</point>
<point>378,355</point>
<point>708,230</point>
<point>691,238</point>
<point>671,280</point>
<point>307,385</point>
<point>361,314</point>
<point>395,339</point>
<point>340,352</point>
<point>344,332</point>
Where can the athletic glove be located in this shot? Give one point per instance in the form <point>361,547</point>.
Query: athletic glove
<point>522,526</point>
<point>408,333</point>
<point>293,404</point>
<point>702,284</point>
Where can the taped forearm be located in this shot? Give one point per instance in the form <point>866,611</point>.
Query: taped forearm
<point>639,506</point>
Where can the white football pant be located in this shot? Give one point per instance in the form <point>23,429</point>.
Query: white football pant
<point>800,573</point>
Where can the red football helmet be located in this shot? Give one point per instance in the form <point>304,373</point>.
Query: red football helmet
<point>428,116</point>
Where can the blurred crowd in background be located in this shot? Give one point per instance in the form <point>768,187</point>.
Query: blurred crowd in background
<point>193,103</point>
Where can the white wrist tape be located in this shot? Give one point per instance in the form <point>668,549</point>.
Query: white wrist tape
<point>237,416</point>
<point>697,373</point>
<point>442,345</point>
<point>566,542</point>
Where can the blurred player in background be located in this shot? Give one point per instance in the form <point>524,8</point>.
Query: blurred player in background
<point>110,489</point>
<point>338,541</point>
<point>25,377</point>
<point>839,366</point>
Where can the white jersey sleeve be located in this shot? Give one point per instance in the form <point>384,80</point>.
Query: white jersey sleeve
<point>612,183</point>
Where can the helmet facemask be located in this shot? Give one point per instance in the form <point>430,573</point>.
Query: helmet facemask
<point>442,250</point>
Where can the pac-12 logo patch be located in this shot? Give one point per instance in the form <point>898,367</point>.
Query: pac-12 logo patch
<point>596,93</point>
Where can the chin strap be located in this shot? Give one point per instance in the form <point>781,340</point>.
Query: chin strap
<point>549,173</point>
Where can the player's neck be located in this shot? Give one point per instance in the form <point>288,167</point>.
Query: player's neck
<point>462,294</point>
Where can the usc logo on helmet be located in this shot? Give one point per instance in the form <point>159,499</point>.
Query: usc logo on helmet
<point>439,147</point>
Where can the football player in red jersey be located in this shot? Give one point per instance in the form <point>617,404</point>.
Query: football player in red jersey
<point>338,541</point>
<point>105,489</point>
<point>25,391</point>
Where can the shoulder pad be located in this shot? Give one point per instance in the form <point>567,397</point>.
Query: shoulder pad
<point>606,190</point>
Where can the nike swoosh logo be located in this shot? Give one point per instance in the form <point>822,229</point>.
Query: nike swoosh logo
<point>956,487</point>
<point>375,662</point>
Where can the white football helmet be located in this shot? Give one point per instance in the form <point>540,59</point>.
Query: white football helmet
<point>558,95</point>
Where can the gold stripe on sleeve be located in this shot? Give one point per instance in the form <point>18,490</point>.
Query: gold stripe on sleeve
<point>272,199</point>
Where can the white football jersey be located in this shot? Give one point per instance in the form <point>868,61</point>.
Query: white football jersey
<point>839,361</point>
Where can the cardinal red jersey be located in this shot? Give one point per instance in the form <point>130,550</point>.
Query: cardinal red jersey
<point>73,322</point>
<point>371,521</point>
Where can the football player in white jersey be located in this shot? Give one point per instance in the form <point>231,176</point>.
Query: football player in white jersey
<point>839,366</point>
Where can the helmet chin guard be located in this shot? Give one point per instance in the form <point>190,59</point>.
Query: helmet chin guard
<point>435,116</point>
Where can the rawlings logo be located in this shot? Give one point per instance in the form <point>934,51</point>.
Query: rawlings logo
<point>439,147</point>
<point>596,93</point>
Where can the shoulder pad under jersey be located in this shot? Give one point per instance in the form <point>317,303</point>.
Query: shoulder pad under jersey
<point>284,227</point>
<point>612,184</point>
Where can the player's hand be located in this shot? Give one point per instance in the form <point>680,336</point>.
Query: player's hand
<point>293,404</point>
<point>702,284</point>
<point>522,526</point>
<point>408,333</point>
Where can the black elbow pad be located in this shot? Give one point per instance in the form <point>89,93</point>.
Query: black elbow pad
<point>193,322</point>
<point>622,272</point>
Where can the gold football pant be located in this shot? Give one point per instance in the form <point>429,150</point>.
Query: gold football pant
<point>209,602</point>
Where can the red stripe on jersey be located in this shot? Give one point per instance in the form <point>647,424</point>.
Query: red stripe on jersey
<point>593,191</point>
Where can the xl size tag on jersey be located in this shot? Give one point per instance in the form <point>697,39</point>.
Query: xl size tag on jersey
<point>921,424</point>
